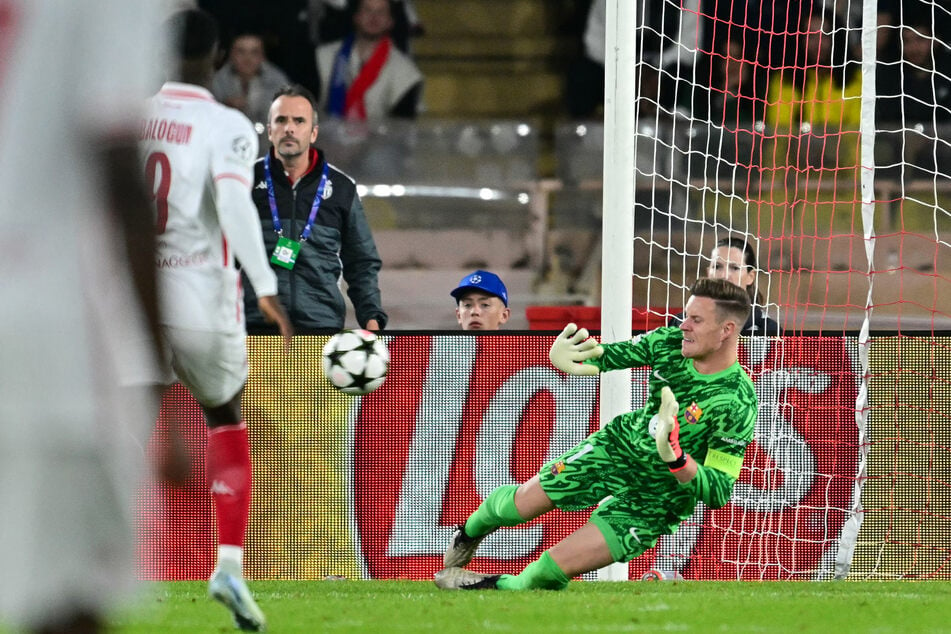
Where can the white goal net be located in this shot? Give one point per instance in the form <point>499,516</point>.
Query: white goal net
<point>818,135</point>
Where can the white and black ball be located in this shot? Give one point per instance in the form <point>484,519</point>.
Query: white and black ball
<point>355,361</point>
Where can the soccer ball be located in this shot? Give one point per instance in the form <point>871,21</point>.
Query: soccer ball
<point>355,361</point>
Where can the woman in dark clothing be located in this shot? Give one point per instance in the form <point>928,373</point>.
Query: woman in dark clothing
<point>733,259</point>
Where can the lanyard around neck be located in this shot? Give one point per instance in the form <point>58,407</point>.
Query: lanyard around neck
<point>272,201</point>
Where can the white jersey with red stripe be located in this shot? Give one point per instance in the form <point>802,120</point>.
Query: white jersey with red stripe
<point>189,144</point>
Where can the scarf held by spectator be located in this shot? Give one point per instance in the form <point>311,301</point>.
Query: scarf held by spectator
<point>349,102</point>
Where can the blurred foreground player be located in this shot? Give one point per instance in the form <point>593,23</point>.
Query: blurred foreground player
<point>685,445</point>
<point>198,158</point>
<point>78,277</point>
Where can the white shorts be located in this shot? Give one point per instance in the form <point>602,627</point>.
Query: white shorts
<point>212,365</point>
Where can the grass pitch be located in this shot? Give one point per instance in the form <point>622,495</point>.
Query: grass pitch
<point>684,606</point>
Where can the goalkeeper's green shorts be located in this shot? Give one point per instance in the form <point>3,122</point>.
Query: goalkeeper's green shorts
<point>639,510</point>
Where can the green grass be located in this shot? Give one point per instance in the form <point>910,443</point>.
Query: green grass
<point>691,606</point>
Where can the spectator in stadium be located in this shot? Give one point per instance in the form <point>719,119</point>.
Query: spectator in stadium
<point>651,470</point>
<point>206,222</point>
<point>914,98</point>
<point>282,27</point>
<point>667,51</point>
<point>365,77</point>
<point>733,99</point>
<point>331,20</point>
<point>314,225</point>
<point>247,81</point>
<point>482,302</point>
<point>923,95</point>
<point>80,319</point>
<point>328,20</point>
<point>818,93</point>
<point>407,24</point>
<point>733,259</point>
<point>885,36</point>
<point>584,81</point>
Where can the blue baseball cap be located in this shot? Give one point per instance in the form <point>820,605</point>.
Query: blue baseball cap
<point>482,281</point>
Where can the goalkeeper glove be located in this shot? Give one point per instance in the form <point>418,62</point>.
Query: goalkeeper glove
<point>572,347</point>
<point>667,436</point>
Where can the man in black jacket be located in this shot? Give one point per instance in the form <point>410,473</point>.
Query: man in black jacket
<point>315,229</point>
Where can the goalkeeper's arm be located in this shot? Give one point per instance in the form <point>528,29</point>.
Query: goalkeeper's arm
<point>667,439</point>
<point>711,483</point>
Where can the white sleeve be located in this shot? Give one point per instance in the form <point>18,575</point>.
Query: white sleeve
<point>233,170</point>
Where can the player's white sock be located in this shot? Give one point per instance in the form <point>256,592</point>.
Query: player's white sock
<point>231,558</point>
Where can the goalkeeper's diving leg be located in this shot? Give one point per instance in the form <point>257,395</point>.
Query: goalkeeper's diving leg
<point>583,550</point>
<point>508,505</point>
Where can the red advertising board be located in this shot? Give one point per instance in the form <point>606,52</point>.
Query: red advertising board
<point>481,412</point>
<point>460,415</point>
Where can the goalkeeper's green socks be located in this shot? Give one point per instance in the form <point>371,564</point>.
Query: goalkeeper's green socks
<point>498,509</point>
<point>541,574</point>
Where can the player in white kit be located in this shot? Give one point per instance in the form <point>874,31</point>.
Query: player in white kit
<point>72,86</point>
<point>198,158</point>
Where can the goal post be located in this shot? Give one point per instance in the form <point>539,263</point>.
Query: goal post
<point>820,137</point>
<point>618,196</point>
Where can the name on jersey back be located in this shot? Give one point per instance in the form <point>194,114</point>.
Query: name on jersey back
<point>165,130</point>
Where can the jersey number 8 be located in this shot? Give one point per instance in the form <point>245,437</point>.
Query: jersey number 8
<point>158,162</point>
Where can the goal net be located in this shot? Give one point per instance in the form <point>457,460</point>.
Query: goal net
<point>819,134</point>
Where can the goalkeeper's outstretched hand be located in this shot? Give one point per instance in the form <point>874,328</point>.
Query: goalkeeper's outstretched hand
<point>668,431</point>
<point>572,347</point>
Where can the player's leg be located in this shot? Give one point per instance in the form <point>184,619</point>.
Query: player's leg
<point>573,481</point>
<point>617,531</point>
<point>582,551</point>
<point>579,479</point>
<point>508,505</point>
<point>229,477</point>
<point>213,366</point>
<point>228,466</point>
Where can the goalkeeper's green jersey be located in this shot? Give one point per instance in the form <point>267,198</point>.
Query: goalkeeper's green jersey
<point>717,413</point>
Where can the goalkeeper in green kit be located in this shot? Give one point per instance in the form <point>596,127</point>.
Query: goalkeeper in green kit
<point>685,445</point>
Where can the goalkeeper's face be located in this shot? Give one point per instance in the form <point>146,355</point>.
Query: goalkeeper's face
<point>704,331</point>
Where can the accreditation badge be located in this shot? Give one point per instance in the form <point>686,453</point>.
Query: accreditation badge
<point>285,253</point>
